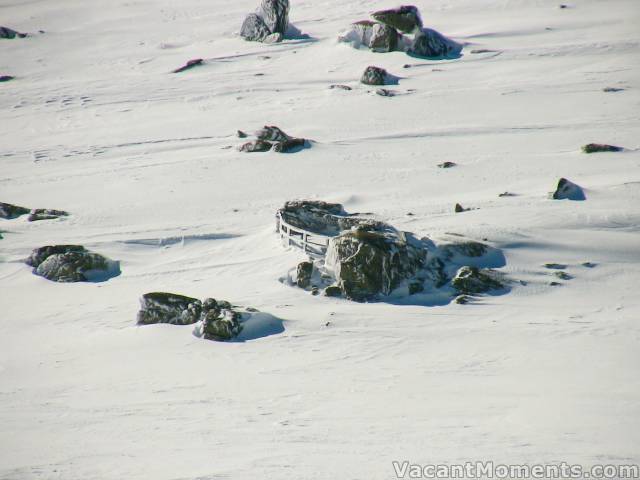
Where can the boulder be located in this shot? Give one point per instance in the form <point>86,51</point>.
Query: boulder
<point>447,164</point>
<point>320,217</point>
<point>9,211</point>
<point>431,44</point>
<point>39,255</point>
<point>272,133</point>
<point>275,14</point>
<point>459,208</point>
<point>467,249</point>
<point>368,261</point>
<point>567,190</point>
<point>72,267</point>
<point>269,24</point>
<point>161,307</point>
<point>6,78</point>
<point>383,38</point>
<point>254,28</point>
<point>374,76</point>
<point>472,280</point>
<point>405,18</point>
<point>303,274</point>
<point>332,291</point>
<point>219,321</point>
<point>8,33</point>
<point>600,147</point>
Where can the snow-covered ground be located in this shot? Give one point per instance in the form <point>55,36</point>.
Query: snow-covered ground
<point>94,124</point>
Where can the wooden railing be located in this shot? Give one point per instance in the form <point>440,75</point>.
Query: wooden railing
<point>311,243</point>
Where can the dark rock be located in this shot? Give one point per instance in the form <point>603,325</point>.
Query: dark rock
<point>383,92</point>
<point>254,28</point>
<point>9,211</point>
<point>507,194</point>
<point>189,65</point>
<point>431,44</point>
<point>45,214</point>
<point>6,78</point>
<point>405,18</point>
<point>447,164</point>
<point>481,50</point>
<point>459,208</point>
<point>341,87</point>
<point>383,38</point>
<point>555,266</point>
<point>563,275</point>
<point>555,284</point>
<point>374,76</point>
<point>161,307</point>
<point>315,291</point>
<point>241,134</point>
<point>567,190</point>
<point>589,264</point>
<point>612,89</point>
<point>39,255</point>
<point>72,266</point>
<point>9,33</point>
<point>257,146</point>
<point>303,275</point>
<point>369,260</point>
<point>332,291</point>
<point>471,280</point>
<point>290,145</point>
<point>600,147</point>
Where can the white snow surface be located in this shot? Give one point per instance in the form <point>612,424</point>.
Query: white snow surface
<point>94,124</point>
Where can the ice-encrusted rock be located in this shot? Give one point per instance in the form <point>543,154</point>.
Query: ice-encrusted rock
<point>319,217</point>
<point>254,28</point>
<point>9,211</point>
<point>375,36</point>
<point>9,33</point>
<point>162,307</point>
<point>368,261</point>
<point>405,18</point>
<point>215,319</point>
<point>269,24</point>
<point>567,190</point>
<point>45,214</point>
<point>431,44</point>
<point>73,267</point>
<point>472,280</point>
<point>256,146</point>
<point>374,76</point>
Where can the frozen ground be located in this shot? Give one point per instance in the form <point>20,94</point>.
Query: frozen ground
<point>95,125</point>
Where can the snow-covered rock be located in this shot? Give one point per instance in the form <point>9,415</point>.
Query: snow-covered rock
<point>71,263</point>
<point>567,190</point>
<point>269,24</point>
<point>9,211</point>
<point>432,44</point>
<point>473,280</point>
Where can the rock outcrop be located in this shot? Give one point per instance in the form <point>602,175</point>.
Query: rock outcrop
<point>269,24</point>
<point>9,211</point>
<point>71,263</point>
<point>431,44</point>
<point>600,147</point>
<point>472,280</point>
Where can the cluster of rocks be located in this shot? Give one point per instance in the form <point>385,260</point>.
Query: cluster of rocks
<point>400,29</point>
<point>272,138</point>
<point>268,24</point>
<point>214,319</point>
<point>71,263</point>
<point>9,211</point>
<point>368,260</point>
